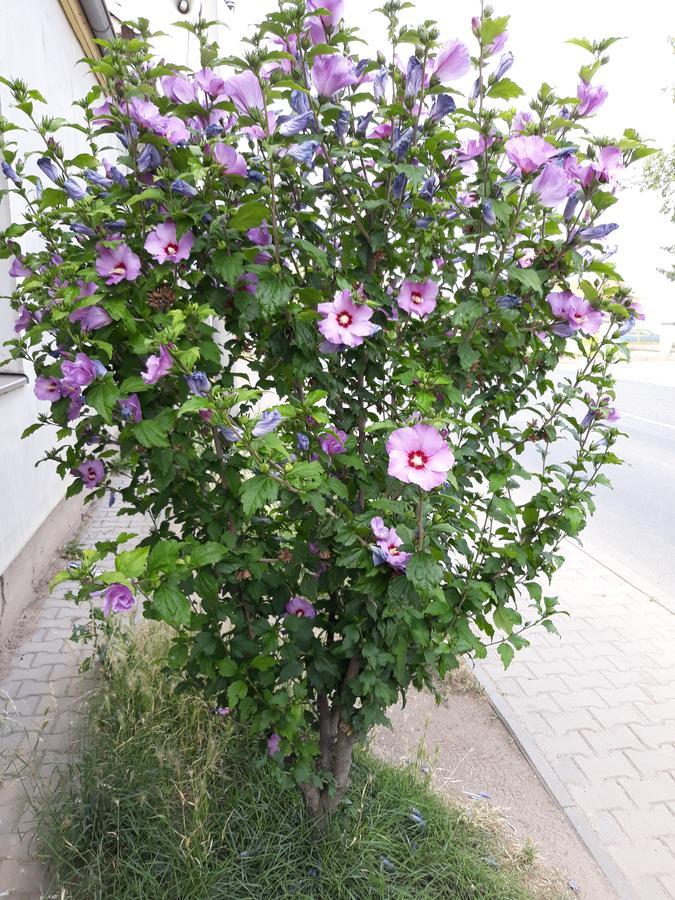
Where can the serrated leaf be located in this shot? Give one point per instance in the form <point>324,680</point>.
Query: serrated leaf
<point>207,554</point>
<point>103,396</point>
<point>236,692</point>
<point>171,605</point>
<point>132,562</point>
<point>273,293</point>
<point>257,492</point>
<point>507,653</point>
<point>249,215</point>
<point>505,89</point>
<point>227,667</point>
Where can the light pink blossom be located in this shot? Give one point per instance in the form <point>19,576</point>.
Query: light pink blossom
<point>452,62</point>
<point>418,297</point>
<point>419,455</point>
<point>233,163</point>
<point>244,91</point>
<point>157,367</point>
<point>529,153</point>
<point>164,244</point>
<point>345,323</point>
<point>119,263</point>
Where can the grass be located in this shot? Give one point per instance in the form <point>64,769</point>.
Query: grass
<point>168,801</point>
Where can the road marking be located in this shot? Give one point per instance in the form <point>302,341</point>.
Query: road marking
<point>649,421</point>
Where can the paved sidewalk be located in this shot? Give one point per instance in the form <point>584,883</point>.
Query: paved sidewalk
<point>595,712</point>
<point>41,698</point>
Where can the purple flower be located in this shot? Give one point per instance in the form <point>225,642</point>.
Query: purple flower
<point>342,123</point>
<point>597,232</point>
<point>609,160</point>
<point>222,710</point>
<point>552,186</point>
<point>144,112</point>
<point>505,64</point>
<point>47,388</point>
<point>399,185</point>
<point>73,189</point>
<point>333,442</point>
<point>402,143</point>
<point>9,172</point>
<point>290,125</point>
<point>413,77</point>
<point>46,166</point>
<point>388,543</point>
<point>198,384</point>
<point>175,130</point>
<point>178,89</point>
<point>95,178</point>
<point>300,607</point>
<point>488,213</point>
<point>164,244</point>
<point>82,230</point>
<point>578,312</point>
<point>117,264</point>
<point>149,159</point>
<point>212,84</point>
<point>590,98</point>
<point>130,408</point>
<point>117,598</point>
<point>183,188</point>
<point>509,301</point>
<point>232,162</point>
<point>304,153</point>
<point>80,372</point>
<point>269,420</point>
<point>380,84</point>
<point>273,744</point>
<point>302,441</point>
<point>319,24</point>
<point>331,73</point>
<point>345,323</point>
<point>419,455</point>
<point>232,434</point>
<point>244,91</point>
<point>24,319</point>
<point>497,44</point>
<point>443,106</point>
<point>452,62</point>
<point>90,317</point>
<point>157,367</point>
<point>92,472</point>
<point>418,297</point>
<point>114,173</point>
<point>520,122</point>
<point>18,270</point>
<point>260,235</point>
<point>529,153</point>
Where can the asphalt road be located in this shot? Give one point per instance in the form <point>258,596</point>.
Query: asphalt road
<point>635,520</point>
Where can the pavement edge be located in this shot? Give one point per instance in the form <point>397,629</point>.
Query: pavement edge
<point>553,785</point>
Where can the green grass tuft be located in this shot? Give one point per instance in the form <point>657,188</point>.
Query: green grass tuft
<point>169,801</point>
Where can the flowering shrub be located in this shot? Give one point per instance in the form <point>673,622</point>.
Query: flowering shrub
<point>306,316</point>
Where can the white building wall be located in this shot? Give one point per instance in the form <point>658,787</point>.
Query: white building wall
<point>38,46</point>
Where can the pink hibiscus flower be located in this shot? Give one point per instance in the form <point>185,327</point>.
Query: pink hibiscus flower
<point>116,264</point>
<point>418,297</point>
<point>419,455</point>
<point>345,324</point>
<point>157,366</point>
<point>164,244</point>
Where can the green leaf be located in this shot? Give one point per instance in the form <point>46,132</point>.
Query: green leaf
<point>467,355</point>
<point>228,668</point>
<point>229,266</point>
<point>153,432</point>
<point>132,562</point>
<point>273,293</point>
<point>424,572</point>
<point>506,618</point>
<point>103,396</point>
<point>529,278</point>
<point>507,653</point>
<point>171,605</point>
<point>163,557</point>
<point>505,89</point>
<point>257,492</point>
<point>236,692</point>
<point>148,194</point>
<point>492,28</point>
<point>207,554</point>
<point>249,215</point>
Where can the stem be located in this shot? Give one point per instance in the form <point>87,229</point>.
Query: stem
<point>420,521</point>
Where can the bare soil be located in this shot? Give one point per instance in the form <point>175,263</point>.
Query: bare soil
<point>472,758</point>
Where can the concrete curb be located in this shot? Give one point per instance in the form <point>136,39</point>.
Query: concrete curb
<point>554,786</point>
<point>536,758</point>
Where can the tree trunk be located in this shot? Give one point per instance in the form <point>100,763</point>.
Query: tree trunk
<point>336,747</point>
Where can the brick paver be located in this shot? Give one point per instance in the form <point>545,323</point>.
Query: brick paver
<point>41,700</point>
<point>595,710</point>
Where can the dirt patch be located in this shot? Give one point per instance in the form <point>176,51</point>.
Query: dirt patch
<point>473,759</point>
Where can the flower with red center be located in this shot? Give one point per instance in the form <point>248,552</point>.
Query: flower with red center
<point>418,297</point>
<point>345,324</point>
<point>47,388</point>
<point>388,543</point>
<point>419,455</point>
<point>164,244</point>
<point>301,607</point>
<point>116,264</point>
<point>92,472</point>
<point>576,311</point>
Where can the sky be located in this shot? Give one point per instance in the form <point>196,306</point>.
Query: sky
<point>638,77</point>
